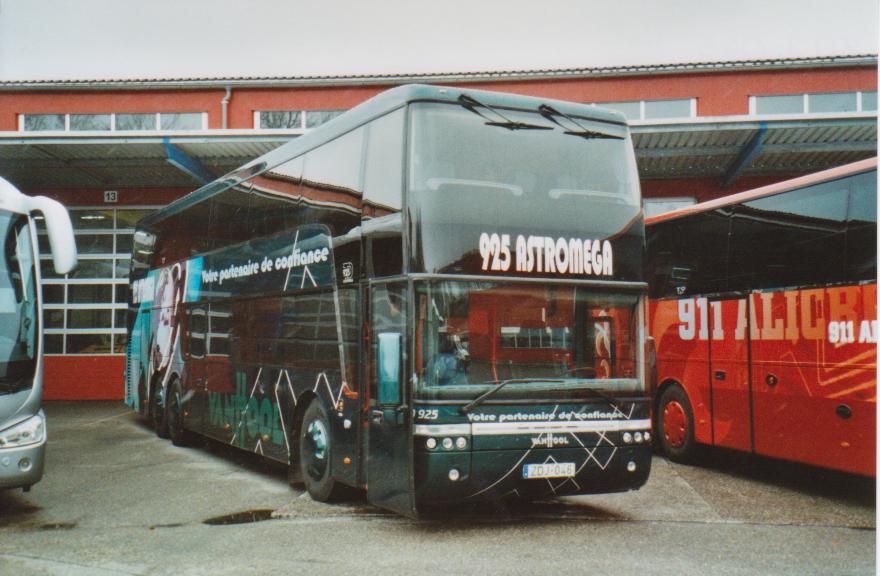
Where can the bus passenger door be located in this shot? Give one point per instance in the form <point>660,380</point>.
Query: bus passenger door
<point>728,335</point>
<point>389,422</point>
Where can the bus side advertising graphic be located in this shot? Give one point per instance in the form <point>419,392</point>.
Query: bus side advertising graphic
<point>240,400</point>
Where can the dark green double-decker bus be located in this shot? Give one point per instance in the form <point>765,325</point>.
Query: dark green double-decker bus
<point>436,297</point>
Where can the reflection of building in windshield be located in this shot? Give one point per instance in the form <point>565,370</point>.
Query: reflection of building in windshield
<point>467,178</point>
<point>488,334</point>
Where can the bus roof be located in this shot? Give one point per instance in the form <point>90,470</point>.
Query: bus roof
<point>779,187</point>
<point>373,108</point>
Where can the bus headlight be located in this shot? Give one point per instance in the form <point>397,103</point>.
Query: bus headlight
<point>647,436</point>
<point>460,443</point>
<point>627,438</point>
<point>31,431</point>
<point>431,443</point>
<point>638,437</point>
<point>447,443</point>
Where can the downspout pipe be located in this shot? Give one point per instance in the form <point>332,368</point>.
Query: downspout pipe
<point>224,105</point>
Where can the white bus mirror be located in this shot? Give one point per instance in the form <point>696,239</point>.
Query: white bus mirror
<point>60,232</point>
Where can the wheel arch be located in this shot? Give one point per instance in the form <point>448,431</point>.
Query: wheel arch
<point>663,387</point>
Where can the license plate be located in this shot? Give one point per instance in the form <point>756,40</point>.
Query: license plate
<point>549,470</point>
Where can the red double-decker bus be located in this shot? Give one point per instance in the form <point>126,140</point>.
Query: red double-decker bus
<point>764,317</point>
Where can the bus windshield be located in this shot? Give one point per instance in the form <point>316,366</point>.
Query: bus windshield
<point>548,340</point>
<point>18,305</point>
<point>468,175</point>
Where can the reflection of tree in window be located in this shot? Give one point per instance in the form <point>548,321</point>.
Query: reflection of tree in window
<point>281,119</point>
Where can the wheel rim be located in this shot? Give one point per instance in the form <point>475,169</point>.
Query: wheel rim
<point>316,446</point>
<point>675,423</point>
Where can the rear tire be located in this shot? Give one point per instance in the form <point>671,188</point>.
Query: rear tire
<point>174,415</point>
<point>675,425</point>
<point>315,455</point>
<point>142,400</point>
<point>158,414</point>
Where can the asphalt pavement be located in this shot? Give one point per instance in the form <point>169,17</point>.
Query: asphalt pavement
<point>118,500</point>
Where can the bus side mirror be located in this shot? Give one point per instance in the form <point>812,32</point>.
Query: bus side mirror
<point>60,232</point>
<point>389,368</point>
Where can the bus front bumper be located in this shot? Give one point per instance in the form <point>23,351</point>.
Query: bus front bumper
<point>23,466</point>
<point>493,474</point>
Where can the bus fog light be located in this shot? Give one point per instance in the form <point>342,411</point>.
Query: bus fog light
<point>647,436</point>
<point>460,443</point>
<point>631,467</point>
<point>431,443</point>
<point>454,475</point>
<point>638,437</point>
<point>447,443</point>
<point>24,464</point>
<point>627,438</point>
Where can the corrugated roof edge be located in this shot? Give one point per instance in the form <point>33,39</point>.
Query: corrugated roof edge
<point>747,195</point>
<point>472,76</point>
<point>376,106</point>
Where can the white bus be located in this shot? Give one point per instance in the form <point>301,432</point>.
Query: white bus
<point>22,422</point>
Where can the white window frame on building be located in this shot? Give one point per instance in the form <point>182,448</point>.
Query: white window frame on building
<point>644,108</point>
<point>100,247</point>
<point>156,125</point>
<point>862,102</point>
<point>306,119</point>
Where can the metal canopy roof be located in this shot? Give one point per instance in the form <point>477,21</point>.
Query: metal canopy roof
<point>81,160</point>
<point>728,148</point>
<point>724,148</point>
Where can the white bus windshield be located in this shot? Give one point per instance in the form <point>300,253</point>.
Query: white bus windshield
<point>18,305</point>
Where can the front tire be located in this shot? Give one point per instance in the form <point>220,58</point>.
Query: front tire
<point>675,424</point>
<point>315,450</point>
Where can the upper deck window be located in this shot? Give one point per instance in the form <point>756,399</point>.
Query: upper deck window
<point>85,122</point>
<point>293,119</point>
<point>653,109</point>
<point>115,122</point>
<point>468,175</point>
<point>823,103</point>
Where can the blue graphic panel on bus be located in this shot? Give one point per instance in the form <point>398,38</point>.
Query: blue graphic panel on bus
<point>286,262</point>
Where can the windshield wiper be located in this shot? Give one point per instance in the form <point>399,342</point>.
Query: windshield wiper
<point>550,113</point>
<point>470,103</point>
<point>498,386</point>
<point>501,384</point>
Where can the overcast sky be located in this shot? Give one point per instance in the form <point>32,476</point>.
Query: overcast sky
<point>94,39</point>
